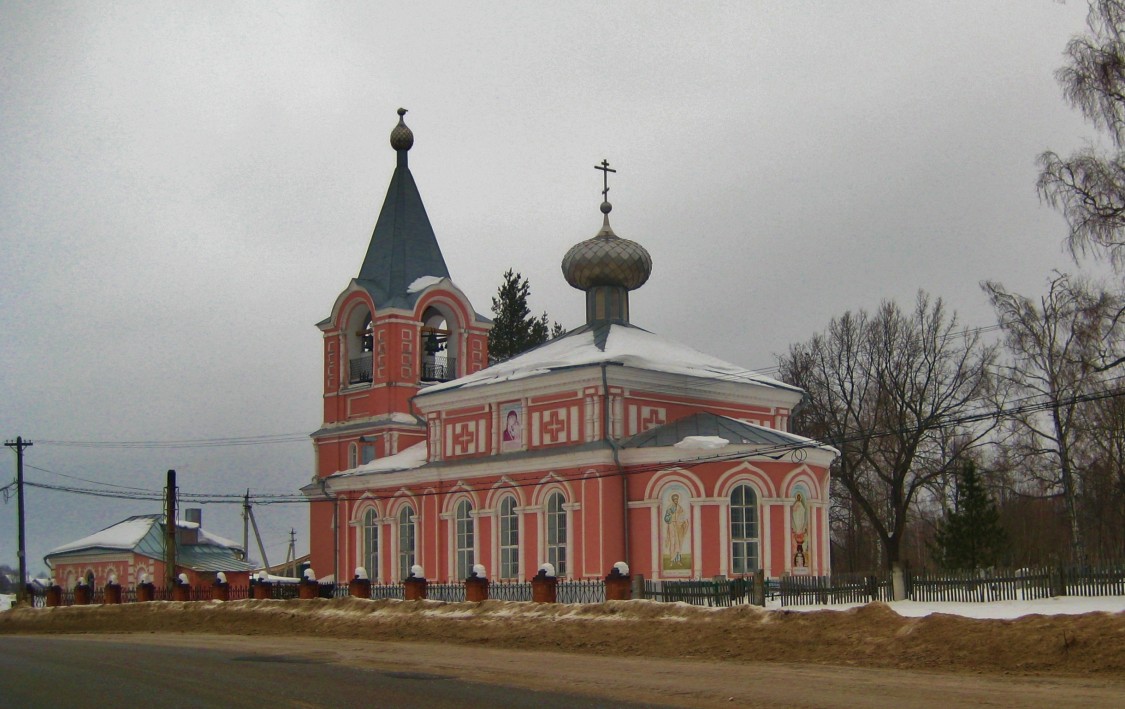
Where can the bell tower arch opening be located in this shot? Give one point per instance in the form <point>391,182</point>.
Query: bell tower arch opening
<point>359,341</point>
<point>441,342</point>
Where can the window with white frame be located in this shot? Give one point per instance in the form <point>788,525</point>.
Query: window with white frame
<point>371,543</point>
<point>556,533</point>
<point>744,530</point>
<point>405,541</point>
<point>353,455</point>
<point>509,539</point>
<point>464,529</point>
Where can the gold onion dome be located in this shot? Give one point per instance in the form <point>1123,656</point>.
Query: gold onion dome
<point>402,138</point>
<point>607,260</point>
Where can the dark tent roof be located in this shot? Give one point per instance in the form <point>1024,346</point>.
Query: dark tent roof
<point>403,246</point>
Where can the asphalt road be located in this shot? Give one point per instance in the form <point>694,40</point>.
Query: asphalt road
<point>49,671</point>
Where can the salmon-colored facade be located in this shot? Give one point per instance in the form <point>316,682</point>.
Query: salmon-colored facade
<point>607,444</point>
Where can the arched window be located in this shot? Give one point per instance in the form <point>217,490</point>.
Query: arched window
<point>353,455</point>
<point>371,543</point>
<point>405,542</point>
<point>509,539</point>
<point>464,531</point>
<point>556,533</point>
<point>744,530</point>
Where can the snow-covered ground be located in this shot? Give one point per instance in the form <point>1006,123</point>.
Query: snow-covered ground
<point>1067,605</point>
<point>1070,605</point>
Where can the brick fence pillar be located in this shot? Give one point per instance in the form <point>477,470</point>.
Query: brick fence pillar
<point>181,592</point>
<point>544,588</point>
<point>262,590</point>
<point>146,592</point>
<point>414,589</point>
<point>359,588</point>
<point>308,589</point>
<point>112,594</point>
<point>618,584</point>
<point>476,589</point>
<point>54,596</point>
<point>82,595</point>
<point>220,591</point>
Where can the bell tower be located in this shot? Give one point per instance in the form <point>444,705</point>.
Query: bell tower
<point>399,326</point>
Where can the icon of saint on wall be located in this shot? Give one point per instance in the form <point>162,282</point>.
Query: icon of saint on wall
<point>676,518</point>
<point>799,529</point>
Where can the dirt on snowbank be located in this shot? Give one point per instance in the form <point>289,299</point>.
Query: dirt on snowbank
<point>873,636</point>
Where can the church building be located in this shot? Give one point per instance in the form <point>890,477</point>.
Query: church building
<point>609,443</point>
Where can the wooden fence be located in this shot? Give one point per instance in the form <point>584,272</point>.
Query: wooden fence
<point>721,593</point>
<point>1025,584</point>
<point>839,588</point>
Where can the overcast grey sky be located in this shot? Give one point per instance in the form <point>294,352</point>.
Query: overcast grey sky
<point>186,187</point>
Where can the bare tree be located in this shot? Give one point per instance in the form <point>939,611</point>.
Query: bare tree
<point>886,389</point>
<point>1089,186</point>
<point>1056,347</point>
<point>1103,491</point>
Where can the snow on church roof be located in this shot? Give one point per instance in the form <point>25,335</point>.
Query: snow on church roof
<point>615,343</point>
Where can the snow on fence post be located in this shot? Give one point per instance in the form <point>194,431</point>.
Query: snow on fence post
<point>618,584</point>
<point>112,593</point>
<point>360,586</point>
<point>544,585</point>
<point>414,587</point>
<point>476,585</point>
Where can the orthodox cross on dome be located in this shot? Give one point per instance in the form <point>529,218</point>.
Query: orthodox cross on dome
<point>606,169</point>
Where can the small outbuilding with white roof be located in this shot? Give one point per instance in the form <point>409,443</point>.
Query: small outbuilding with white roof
<point>133,549</point>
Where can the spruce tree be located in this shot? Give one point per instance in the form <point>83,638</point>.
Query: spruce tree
<point>970,537</point>
<point>514,329</point>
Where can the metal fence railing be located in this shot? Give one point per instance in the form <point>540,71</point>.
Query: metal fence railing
<point>509,590</point>
<point>977,586</point>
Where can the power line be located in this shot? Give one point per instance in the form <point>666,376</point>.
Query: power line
<point>265,439</point>
<point>773,451</point>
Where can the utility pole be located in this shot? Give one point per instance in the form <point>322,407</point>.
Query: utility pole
<point>291,556</point>
<point>19,445</point>
<point>246,524</point>
<point>170,534</point>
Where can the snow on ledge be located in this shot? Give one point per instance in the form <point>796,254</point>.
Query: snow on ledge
<point>406,459</point>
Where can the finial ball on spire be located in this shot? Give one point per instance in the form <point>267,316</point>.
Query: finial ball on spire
<point>402,138</point>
